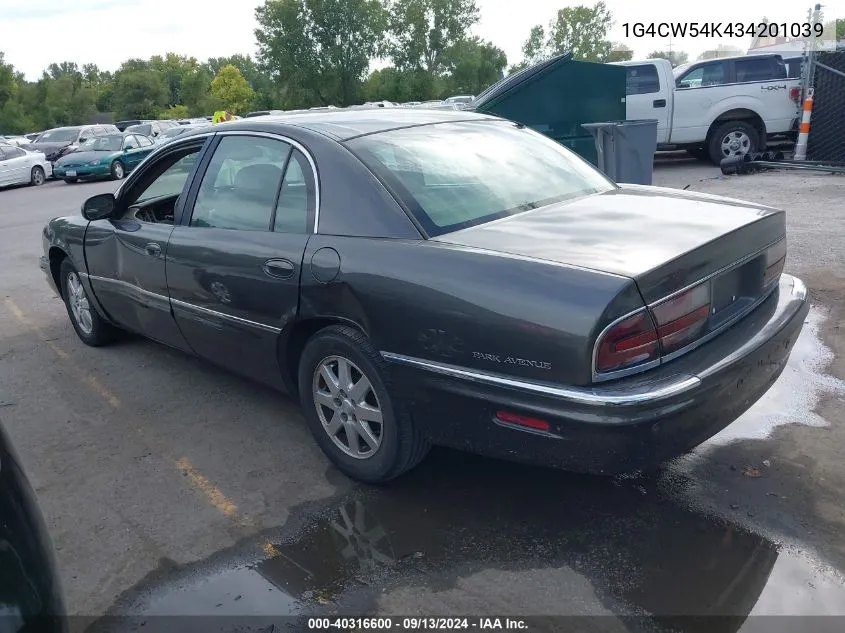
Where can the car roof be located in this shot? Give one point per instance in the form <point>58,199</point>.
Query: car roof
<point>344,124</point>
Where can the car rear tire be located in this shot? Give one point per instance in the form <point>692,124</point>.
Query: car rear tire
<point>37,176</point>
<point>344,389</point>
<point>734,138</point>
<point>71,181</point>
<point>118,171</point>
<point>87,323</point>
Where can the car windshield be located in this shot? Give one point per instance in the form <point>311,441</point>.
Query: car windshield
<point>110,143</point>
<point>456,175</point>
<point>144,128</point>
<point>58,136</point>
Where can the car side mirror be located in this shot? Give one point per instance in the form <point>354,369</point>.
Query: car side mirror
<point>99,207</point>
<point>128,147</point>
<point>83,139</point>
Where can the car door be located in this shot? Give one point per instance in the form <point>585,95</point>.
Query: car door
<point>643,97</point>
<point>697,89</point>
<point>233,263</point>
<point>145,146</point>
<point>126,254</point>
<point>18,164</point>
<point>5,168</point>
<point>131,155</point>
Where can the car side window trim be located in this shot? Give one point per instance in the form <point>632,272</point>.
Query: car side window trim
<point>288,158</point>
<point>301,148</point>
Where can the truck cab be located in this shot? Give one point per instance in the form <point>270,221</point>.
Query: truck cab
<point>714,108</point>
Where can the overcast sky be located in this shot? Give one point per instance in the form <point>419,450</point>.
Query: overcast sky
<point>106,32</point>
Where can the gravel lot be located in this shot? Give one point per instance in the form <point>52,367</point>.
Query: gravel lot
<point>157,472</point>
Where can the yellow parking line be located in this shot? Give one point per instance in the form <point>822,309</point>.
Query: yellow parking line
<point>212,493</point>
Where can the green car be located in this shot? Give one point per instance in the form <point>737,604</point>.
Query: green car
<point>110,156</point>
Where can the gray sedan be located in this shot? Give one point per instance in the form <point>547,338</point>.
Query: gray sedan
<point>420,277</point>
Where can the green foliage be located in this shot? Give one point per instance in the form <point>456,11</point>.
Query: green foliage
<point>231,91</point>
<point>581,31</point>
<point>620,53</point>
<point>721,50</point>
<point>318,51</point>
<point>676,58</point>
<point>176,112</point>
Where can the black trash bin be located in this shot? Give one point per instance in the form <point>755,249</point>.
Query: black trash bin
<point>626,149</point>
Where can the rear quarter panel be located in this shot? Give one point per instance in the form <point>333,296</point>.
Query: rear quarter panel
<point>472,308</point>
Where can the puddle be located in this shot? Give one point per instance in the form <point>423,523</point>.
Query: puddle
<point>795,394</point>
<point>463,534</point>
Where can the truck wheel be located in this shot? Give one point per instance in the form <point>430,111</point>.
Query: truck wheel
<point>734,138</point>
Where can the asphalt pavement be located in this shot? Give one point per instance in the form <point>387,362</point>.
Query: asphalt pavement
<point>173,487</point>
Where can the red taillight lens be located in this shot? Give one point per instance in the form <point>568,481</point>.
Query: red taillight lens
<point>795,94</point>
<point>682,319</point>
<point>775,260</point>
<point>522,420</point>
<point>629,342</point>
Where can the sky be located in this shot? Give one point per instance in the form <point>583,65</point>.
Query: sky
<point>106,32</point>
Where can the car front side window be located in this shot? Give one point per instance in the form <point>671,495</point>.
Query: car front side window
<point>239,188</point>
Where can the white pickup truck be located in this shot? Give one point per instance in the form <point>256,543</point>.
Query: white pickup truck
<point>715,108</point>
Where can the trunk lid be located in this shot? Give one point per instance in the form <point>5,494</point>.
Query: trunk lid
<point>664,239</point>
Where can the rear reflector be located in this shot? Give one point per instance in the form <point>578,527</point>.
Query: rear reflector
<point>629,342</point>
<point>775,260</point>
<point>520,420</point>
<point>795,94</point>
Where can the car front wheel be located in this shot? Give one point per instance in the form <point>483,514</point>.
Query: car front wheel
<point>118,171</point>
<point>344,390</point>
<point>89,326</point>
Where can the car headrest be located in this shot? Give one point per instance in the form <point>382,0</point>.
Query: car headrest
<point>255,178</point>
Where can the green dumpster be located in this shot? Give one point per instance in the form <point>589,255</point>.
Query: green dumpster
<point>556,96</point>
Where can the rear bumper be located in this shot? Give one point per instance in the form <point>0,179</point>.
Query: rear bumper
<point>616,427</point>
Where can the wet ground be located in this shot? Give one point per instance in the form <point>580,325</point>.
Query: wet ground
<point>173,488</point>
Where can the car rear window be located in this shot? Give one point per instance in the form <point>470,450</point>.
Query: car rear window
<point>456,175</point>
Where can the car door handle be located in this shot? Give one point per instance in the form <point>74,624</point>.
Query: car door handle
<point>280,268</point>
<point>153,250</point>
<point>660,103</point>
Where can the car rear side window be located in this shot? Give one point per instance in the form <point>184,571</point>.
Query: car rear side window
<point>297,196</point>
<point>641,79</point>
<point>456,175</point>
<point>143,141</point>
<point>757,69</point>
<point>238,190</point>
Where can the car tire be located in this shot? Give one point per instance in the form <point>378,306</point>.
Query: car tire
<point>400,446</point>
<point>71,181</point>
<point>739,133</point>
<point>88,324</point>
<point>117,170</point>
<point>37,177</point>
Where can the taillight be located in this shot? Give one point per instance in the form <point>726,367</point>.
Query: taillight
<point>680,320</point>
<point>629,342</point>
<point>775,260</point>
<point>795,94</point>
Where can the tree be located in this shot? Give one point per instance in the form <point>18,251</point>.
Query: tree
<point>581,31</point>
<point>260,81</point>
<point>392,84</point>
<point>423,31</point>
<point>176,112</point>
<point>473,65</point>
<point>139,93</point>
<point>319,50</point>
<point>676,58</point>
<point>231,90</point>
<point>619,53</point>
<point>721,51</point>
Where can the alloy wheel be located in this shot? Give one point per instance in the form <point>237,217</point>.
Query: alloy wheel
<point>79,306</point>
<point>347,407</point>
<point>736,143</point>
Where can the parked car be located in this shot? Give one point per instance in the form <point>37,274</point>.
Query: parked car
<point>19,141</point>
<point>169,135</point>
<point>19,167</point>
<point>151,128</point>
<point>250,115</point>
<point>59,141</point>
<point>460,99</point>
<point>111,156</point>
<point>715,108</point>
<point>32,135</point>
<point>30,590</point>
<point>425,277</point>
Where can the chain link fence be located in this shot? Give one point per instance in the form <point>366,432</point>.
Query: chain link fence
<point>827,123</point>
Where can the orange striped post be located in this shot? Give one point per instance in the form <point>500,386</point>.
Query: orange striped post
<point>804,128</point>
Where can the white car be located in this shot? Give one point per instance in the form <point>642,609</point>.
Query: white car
<point>18,167</point>
<point>15,140</point>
